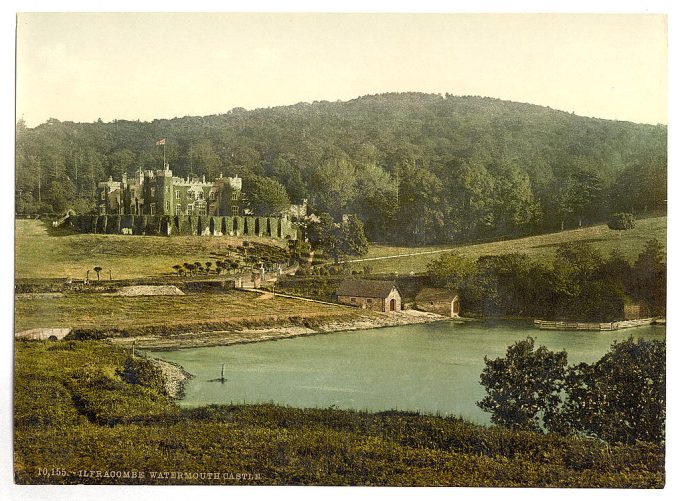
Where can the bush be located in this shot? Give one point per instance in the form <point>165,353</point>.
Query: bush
<point>621,221</point>
<point>621,397</point>
<point>618,399</point>
<point>523,386</point>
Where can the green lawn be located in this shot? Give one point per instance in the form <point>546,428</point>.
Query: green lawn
<point>630,243</point>
<point>40,254</point>
<point>96,310</point>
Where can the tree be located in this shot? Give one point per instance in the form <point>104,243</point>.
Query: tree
<point>523,388</point>
<point>338,239</point>
<point>203,158</point>
<point>377,204</point>
<point>451,271</point>
<point>267,196</point>
<point>208,265</point>
<point>97,270</point>
<point>580,194</point>
<point>353,240</point>
<point>619,398</point>
<point>421,217</point>
<point>649,277</point>
<point>472,194</point>
<point>515,207</point>
<point>333,184</point>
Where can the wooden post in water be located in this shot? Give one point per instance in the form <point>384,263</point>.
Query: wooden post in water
<point>222,374</point>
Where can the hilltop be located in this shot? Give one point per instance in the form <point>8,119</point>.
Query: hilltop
<point>417,168</point>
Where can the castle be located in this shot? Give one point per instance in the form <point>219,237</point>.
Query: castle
<point>159,193</point>
<point>155,202</point>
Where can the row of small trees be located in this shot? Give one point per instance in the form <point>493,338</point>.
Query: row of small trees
<point>619,398</point>
<point>198,267</point>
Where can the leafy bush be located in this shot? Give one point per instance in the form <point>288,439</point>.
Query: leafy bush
<point>621,221</point>
<point>622,396</point>
<point>619,399</point>
<point>524,385</point>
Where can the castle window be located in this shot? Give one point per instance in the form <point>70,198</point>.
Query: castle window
<point>167,206</point>
<point>190,210</point>
<point>234,195</point>
<point>234,210</point>
<point>176,194</point>
<point>178,210</point>
<point>103,195</point>
<point>152,208</point>
<point>200,208</point>
<point>153,191</point>
<point>200,195</point>
<point>190,195</point>
<point>212,195</point>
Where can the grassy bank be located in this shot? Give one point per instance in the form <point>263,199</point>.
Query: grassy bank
<point>542,247</point>
<point>40,253</point>
<point>196,319</point>
<point>77,420</point>
<point>145,314</point>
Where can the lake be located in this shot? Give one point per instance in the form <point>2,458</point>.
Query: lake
<point>432,368</point>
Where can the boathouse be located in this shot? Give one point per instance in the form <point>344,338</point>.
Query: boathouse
<point>378,295</point>
<point>440,301</point>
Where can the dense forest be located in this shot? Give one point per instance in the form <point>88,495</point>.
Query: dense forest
<point>415,168</point>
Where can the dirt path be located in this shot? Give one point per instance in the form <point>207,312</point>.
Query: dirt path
<point>395,256</point>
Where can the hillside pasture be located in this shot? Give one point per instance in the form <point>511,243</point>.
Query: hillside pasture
<point>542,247</point>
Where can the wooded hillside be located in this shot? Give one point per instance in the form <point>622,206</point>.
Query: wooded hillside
<point>416,168</point>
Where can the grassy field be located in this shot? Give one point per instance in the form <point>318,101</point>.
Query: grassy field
<point>99,311</point>
<point>74,412</point>
<point>40,254</point>
<point>630,243</point>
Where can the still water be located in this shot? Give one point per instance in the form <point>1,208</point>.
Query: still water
<point>432,367</point>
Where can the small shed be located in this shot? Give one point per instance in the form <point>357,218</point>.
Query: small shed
<point>378,295</point>
<point>440,301</point>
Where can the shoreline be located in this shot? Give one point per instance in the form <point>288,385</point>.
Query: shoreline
<point>287,329</point>
<point>174,377</point>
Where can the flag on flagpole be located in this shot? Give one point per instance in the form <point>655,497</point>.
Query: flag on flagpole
<point>160,142</point>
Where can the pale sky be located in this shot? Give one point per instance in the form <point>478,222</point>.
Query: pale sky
<point>82,67</point>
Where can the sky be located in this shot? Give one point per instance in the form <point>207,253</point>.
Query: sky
<point>82,67</point>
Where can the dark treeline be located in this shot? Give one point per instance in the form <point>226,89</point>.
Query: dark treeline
<point>580,284</point>
<point>415,168</point>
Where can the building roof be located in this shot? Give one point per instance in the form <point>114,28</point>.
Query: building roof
<point>366,288</point>
<point>432,294</point>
